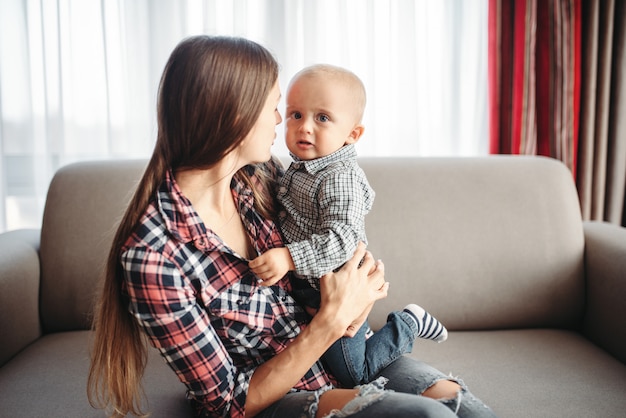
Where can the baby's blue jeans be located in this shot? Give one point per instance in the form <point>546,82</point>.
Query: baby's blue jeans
<point>357,360</point>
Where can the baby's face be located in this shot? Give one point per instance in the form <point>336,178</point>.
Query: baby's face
<point>319,118</point>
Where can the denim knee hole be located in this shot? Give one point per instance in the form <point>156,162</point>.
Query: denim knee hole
<point>368,394</point>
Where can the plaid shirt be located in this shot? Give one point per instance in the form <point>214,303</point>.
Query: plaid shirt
<point>325,201</point>
<point>202,307</point>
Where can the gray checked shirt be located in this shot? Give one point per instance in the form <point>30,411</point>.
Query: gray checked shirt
<point>324,203</point>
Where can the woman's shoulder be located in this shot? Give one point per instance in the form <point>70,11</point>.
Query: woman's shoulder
<point>149,232</point>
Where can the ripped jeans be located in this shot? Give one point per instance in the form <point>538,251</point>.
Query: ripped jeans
<point>393,394</point>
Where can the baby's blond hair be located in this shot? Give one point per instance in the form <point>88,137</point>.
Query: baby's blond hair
<point>351,81</point>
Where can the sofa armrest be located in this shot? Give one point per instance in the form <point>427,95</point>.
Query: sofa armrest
<point>605,272</point>
<point>19,291</point>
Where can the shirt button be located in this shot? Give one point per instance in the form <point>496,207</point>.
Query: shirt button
<point>297,165</point>
<point>283,189</point>
<point>282,214</point>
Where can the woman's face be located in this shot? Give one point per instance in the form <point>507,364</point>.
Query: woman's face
<point>256,148</point>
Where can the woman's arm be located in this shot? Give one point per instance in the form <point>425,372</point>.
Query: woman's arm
<point>346,294</point>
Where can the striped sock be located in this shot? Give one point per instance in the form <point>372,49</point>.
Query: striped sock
<point>427,325</point>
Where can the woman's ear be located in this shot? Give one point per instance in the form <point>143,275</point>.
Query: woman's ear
<point>355,134</point>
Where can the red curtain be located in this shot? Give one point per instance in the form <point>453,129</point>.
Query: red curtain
<point>534,78</point>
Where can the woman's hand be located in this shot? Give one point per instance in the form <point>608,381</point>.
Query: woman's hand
<point>357,323</point>
<point>349,294</point>
<point>347,297</point>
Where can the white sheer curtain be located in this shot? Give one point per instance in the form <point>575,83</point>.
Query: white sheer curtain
<point>78,78</point>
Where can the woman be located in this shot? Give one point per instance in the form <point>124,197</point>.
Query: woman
<point>178,267</point>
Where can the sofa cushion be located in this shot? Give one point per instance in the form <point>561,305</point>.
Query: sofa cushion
<point>508,224</point>
<point>54,371</point>
<point>532,372</point>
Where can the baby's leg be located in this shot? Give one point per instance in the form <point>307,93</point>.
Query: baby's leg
<point>357,360</point>
<point>346,358</point>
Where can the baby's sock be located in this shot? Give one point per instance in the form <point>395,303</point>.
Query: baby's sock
<point>428,326</point>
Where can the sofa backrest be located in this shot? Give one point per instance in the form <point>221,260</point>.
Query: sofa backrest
<point>482,243</point>
<point>84,205</point>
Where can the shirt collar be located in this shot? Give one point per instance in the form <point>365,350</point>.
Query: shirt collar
<point>185,225</point>
<point>313,166</point>
<point>181,219</point>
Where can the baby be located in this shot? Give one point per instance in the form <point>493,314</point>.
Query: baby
<point>325,196</point>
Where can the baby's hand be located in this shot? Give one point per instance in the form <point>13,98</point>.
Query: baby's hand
<point>272,265</point>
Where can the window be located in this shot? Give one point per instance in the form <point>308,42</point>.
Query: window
<point>78,78</point>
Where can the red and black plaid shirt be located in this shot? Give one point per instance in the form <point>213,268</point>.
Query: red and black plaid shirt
<point>200,304</point>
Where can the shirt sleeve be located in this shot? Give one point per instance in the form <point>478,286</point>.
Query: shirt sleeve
<point>165,305</point>
<point>344,198</point>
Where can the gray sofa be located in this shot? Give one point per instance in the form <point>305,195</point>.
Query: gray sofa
<point>535,299</point>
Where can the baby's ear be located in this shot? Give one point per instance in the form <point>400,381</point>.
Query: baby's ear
<point>355,134</point>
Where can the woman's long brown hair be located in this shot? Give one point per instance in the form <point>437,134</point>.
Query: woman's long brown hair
<point>211,93</point>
